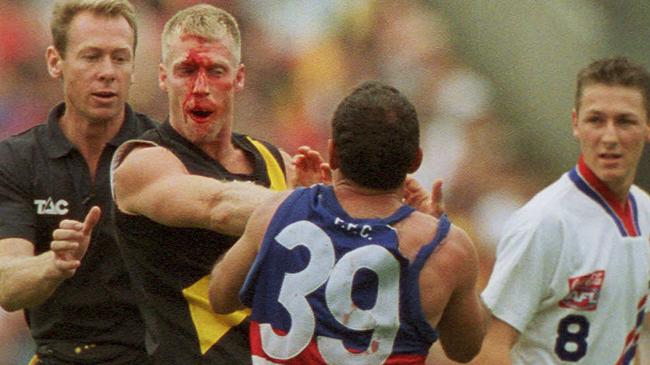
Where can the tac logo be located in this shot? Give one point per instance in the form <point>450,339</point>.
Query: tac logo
<point>584,291</point>
<point>49,207</point>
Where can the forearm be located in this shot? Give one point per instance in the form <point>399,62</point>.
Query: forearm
<point>192,201</point>
<point>463,340</point>
<point>232,205</point>
<point>25,281</point>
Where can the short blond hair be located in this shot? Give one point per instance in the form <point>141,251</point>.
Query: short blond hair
<point>206,21</point>
<point>65,10</point>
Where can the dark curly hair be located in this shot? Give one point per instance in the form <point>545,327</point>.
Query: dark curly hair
<point>377,136</point>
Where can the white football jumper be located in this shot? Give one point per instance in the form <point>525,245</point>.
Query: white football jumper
<point>572,273</point>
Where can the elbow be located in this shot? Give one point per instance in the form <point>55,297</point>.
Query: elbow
<point>219,303</point>
<point>463,348</point>
<point>223,306</point>
<point>9,305</point>
<point>465,354</point>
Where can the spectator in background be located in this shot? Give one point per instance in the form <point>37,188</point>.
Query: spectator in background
<point>58,258</point>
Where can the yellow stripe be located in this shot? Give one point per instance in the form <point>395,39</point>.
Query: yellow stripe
<point>210,327</point>
<point>34,361</point>
<point>276,175</point>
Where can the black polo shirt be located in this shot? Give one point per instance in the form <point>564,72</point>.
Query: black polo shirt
<point>44,179</point>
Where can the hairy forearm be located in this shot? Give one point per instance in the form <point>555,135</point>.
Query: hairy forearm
<point>192,201</point>
<point>25,282</point>
<point>233,204</point>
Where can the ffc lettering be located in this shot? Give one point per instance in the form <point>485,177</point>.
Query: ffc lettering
<point>363,231</point>
<point>322,268</point>
<point>49,207</point>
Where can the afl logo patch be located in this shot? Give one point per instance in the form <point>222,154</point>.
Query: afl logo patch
<point>584,291</point>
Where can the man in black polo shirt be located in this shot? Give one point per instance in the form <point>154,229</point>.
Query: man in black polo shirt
<point>58,257</point>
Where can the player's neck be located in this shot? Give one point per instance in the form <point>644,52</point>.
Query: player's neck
<point>362,202</point>
<point>223,150</point>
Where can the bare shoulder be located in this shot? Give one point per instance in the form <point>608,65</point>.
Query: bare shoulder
<point>148,157</point>
<point>137,169</point>
<point>141,164</point>
<point>458,245</point>
<point>455,253</point>
<point>421,228</point>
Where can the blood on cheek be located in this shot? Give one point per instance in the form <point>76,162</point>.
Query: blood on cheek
<point>201,80</point>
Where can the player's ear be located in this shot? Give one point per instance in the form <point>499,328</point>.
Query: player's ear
<point>331,151</point>
<point>574,122</point>
<point>162,77</point>
<point>417,161</point>
<point>54,62</point>
<point>240,78</point>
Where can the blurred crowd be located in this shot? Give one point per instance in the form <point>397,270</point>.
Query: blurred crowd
<point>301,58</point>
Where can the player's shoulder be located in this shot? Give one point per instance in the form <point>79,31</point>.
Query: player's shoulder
<point>255,143</point>
<point>456,245</point>
<point>21,148</point>
<point>26,139</point>
<point>544,220</point>
<point>640,195</point>
<point>454,254</point>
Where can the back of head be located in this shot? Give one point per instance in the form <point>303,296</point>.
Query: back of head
<point>205,21</point>
<point>65,10</point>
<point>376,134</point>
<point>618,71</point>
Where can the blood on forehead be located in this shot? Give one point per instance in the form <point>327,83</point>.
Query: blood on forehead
<point>224,45</point>
<point>201,58</point>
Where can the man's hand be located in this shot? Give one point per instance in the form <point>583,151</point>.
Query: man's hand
<point>70,242</point>
<point>310,168</point>
<point>417,197</point>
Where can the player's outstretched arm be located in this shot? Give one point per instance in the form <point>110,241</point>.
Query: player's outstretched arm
<point>27,280</point>
<point>229,273</point>
<point>152,181</point>
<point>464,321</point>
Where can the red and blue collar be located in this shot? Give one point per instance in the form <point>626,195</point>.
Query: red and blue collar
<point>623,213</point>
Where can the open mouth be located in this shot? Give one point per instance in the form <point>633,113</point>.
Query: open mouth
<point>200,115</point>
<point>104,94</point>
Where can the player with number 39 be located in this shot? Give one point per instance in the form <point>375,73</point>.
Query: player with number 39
<point>570,282</point>
<point>347,273</point>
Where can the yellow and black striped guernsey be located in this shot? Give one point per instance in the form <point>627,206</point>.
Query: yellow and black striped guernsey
<point>170,266</point>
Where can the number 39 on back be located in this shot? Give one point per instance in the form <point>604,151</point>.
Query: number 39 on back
<point>382,318</point>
